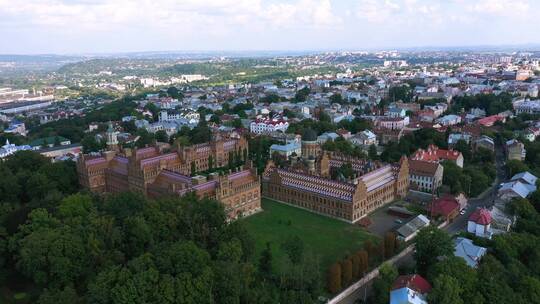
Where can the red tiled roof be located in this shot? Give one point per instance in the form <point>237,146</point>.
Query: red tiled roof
<point>414,282</point>
<point>490,120</point>
<point>433,153</point>
<point>444,206</point>
<point>481,216</point>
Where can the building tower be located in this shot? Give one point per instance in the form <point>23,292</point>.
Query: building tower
<point>112,138</point>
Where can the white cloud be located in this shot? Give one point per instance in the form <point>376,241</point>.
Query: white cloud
<point>498,7</point>
<point>190,13</point>
<point>89,25</point>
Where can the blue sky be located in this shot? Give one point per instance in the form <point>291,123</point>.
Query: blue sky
<point>95,26</point>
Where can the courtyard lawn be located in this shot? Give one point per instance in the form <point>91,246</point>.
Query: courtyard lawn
<point>330,239</point>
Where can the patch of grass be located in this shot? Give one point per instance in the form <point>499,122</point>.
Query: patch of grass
<point>330,239</point>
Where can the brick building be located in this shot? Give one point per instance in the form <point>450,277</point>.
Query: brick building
<point>156,173</point>
<point>373,186</point>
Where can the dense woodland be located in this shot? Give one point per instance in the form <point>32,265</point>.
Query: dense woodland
<point>60,245</point>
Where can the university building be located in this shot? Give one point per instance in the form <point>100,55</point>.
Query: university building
<point>372,186</point>
<point>157,173</point>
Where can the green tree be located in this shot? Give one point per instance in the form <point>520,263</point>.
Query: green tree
<point>431,243</point>
<point>54,256</point>
<point>59,295</point>
<point>161,136</point>
<point>302,94</point>
<point>465,149</point>
<point>456,268</point>
<point>372,152</point>
<point>514,166</point>
<point>446,290</point>
<point>383,284</point>
<point>175,93</point>
<point>90,144</point>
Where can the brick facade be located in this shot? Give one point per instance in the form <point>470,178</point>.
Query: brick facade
<point>350,201</point>
<point>156,173</point>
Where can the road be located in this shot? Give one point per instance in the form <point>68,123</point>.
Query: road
<point>485,199</point>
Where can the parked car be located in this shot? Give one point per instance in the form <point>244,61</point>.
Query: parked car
<point>398,221</point>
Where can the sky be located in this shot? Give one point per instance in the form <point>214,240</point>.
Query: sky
<point>108,26</point>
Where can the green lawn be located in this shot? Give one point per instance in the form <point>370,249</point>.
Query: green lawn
<point>331,239</point>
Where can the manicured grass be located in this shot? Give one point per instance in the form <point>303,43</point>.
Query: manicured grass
<point>330,239</point>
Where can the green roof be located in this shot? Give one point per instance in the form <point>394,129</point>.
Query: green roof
<point>46,140</point>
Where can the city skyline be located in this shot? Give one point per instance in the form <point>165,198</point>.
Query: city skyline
<point>98,26</point>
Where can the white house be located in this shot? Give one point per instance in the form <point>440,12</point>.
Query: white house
<point>364,138</point>
<point>449,120</point>
<point>479,223</point>
<point>263,126</point>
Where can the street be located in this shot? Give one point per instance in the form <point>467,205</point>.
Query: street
<point>485,199</point>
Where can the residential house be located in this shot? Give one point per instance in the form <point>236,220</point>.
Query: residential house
<point>479,223</point>
<point>470,253</point>
<point>16,127</point>
<point>455,137</point>
<point>410,289</point>
<point>446,207</point>
<point>527,106</point>
<point>263,126</point>
<point>490,120</point>
<point>364,138</point>
<point>344,133</point>
<point>425,176</point>
<point>396,112</point>
<point>485,142</point>
<point>321,139</point>
<point>392,123</point>
<point>515,150</point>
<point>449,120</point>
<point>520,185</point>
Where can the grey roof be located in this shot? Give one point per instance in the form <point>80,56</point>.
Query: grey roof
<point>526,177</point>
<point>465,249</point>
<point>413,226</point>
<point>518,187</point>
